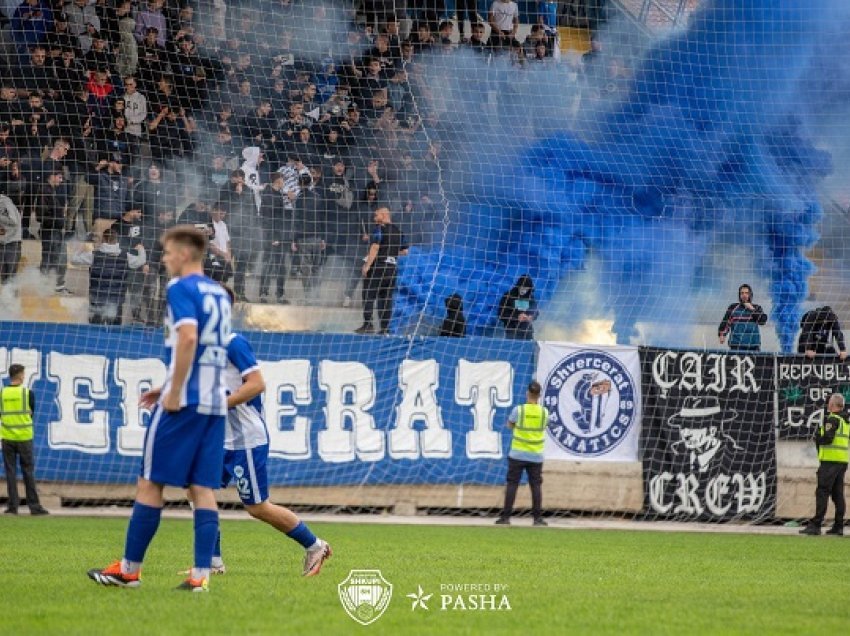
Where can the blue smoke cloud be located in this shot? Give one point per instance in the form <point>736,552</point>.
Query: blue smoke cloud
<point>707,149</point>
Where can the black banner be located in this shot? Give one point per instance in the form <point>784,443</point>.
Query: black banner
<point>803,387</point>
<point>708,442</point>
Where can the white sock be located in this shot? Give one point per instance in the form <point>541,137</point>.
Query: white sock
<point>217,562</point>
<point>130,567</point>
<point>200,573</point>
<point>316,544</point>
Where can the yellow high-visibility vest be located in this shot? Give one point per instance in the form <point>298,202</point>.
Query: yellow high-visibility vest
<point>530,429</point>
<point>839,450</point>
<point>15,413</point>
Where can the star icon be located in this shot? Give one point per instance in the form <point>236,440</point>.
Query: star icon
<point>419,598</point>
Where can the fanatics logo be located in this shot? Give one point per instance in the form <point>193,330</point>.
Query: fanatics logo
<point>592,403</point>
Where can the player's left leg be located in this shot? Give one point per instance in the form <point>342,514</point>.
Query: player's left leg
<point>205,476</point>
<point>249,469</point>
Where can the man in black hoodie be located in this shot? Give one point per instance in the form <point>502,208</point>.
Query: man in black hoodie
<point>518,310</point>
<point>277,238</point>
<point>821,334</point>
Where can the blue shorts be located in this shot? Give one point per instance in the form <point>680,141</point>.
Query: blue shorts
<point>247,469</point>
<point>184,448</point>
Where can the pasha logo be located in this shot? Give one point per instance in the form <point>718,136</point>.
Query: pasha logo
<point>365,595</point>
<point>700,425</point>
<point>590,396</point>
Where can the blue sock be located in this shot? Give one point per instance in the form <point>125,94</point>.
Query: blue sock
<point>217,548</point>
<point>143,525</point>
<point>301,533</point>
<point>206,531</point>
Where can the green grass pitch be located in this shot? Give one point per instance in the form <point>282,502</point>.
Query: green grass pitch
<point>559,582</point>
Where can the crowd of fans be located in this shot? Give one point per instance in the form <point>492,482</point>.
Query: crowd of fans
<point>135,115</point>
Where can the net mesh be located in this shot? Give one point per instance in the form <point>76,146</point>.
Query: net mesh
<point>605,174</point>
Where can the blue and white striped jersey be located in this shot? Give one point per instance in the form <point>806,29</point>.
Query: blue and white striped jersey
<point>199,300</point>
<point>246,427</point>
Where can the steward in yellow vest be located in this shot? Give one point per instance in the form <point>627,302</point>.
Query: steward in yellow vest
<point>17,405</point>
<point>528,422</point>
<point>833,442</point>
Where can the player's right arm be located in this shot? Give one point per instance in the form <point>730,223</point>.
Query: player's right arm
<point>185,316</point>
<point>184,355</point>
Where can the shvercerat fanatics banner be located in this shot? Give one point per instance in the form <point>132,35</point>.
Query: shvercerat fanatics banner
<point>594,399</point>
<point>708,441</point>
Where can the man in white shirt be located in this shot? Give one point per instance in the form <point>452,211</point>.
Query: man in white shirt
<point>219,260</point>
<point>504,21</point>
<point>135,107</point>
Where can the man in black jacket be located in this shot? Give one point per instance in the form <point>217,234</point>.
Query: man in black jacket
<point>518,310</point>
<point>387,244</point>
<point>51,206</point>
<point>277,239</point>
<point>310,233</point>
<point>243,221</point>
<point>821,334</point>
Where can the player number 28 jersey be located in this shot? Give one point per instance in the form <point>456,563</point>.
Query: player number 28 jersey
<point>245,428</point>
<point>199,300</point>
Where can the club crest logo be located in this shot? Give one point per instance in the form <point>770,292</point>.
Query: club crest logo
<point>592,403</point>
<point>365,595</point>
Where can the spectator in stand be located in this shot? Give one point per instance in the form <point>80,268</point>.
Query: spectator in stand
<point>171,134</point>
<point>50,211</point>
<point>356,231</point>
<point>821,335</point>
<point>446,30</point>
<point>454,324</point>
<point>152,60</point>
<point>36,77</point>
<point>116,143</point>
<point>259,128</point>
<point>135,107</point>
<point>422,38</point>
<point>99,57</point>
<point>109,266</point>
<point>60,37</point>
<point>39,123</point>
<point>111,16</point>
<point>125,48</point>
<point>11,233</point>
<point>536,37</point>
<point>111,196</point>
<point>154,197</point>
<point>310,231</point>
<point>129,231</point>
<point>99,90</point>
<point>219,263</point>
<point>70,76</point>
<point>741,322</point>
<point>80,13</point>
<point>387,244</point>
<point>31,22</point>
<point>189,74</point>
<point>339,201</point>
<point>151,17</point>
<point>87,37</point>
<point>156,281</point>
<point>8,149</point>
<point>242,101</point>
<point>518,310</point>
<point>216,174</point>
<point>504,22</point>
<point>238,201</point>
<point>277,240</point>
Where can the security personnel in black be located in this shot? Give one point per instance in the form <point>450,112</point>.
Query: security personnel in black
<point>833,442</point>
<point>387,243</point>
<point>109,266</point>
<point>17,406</point>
